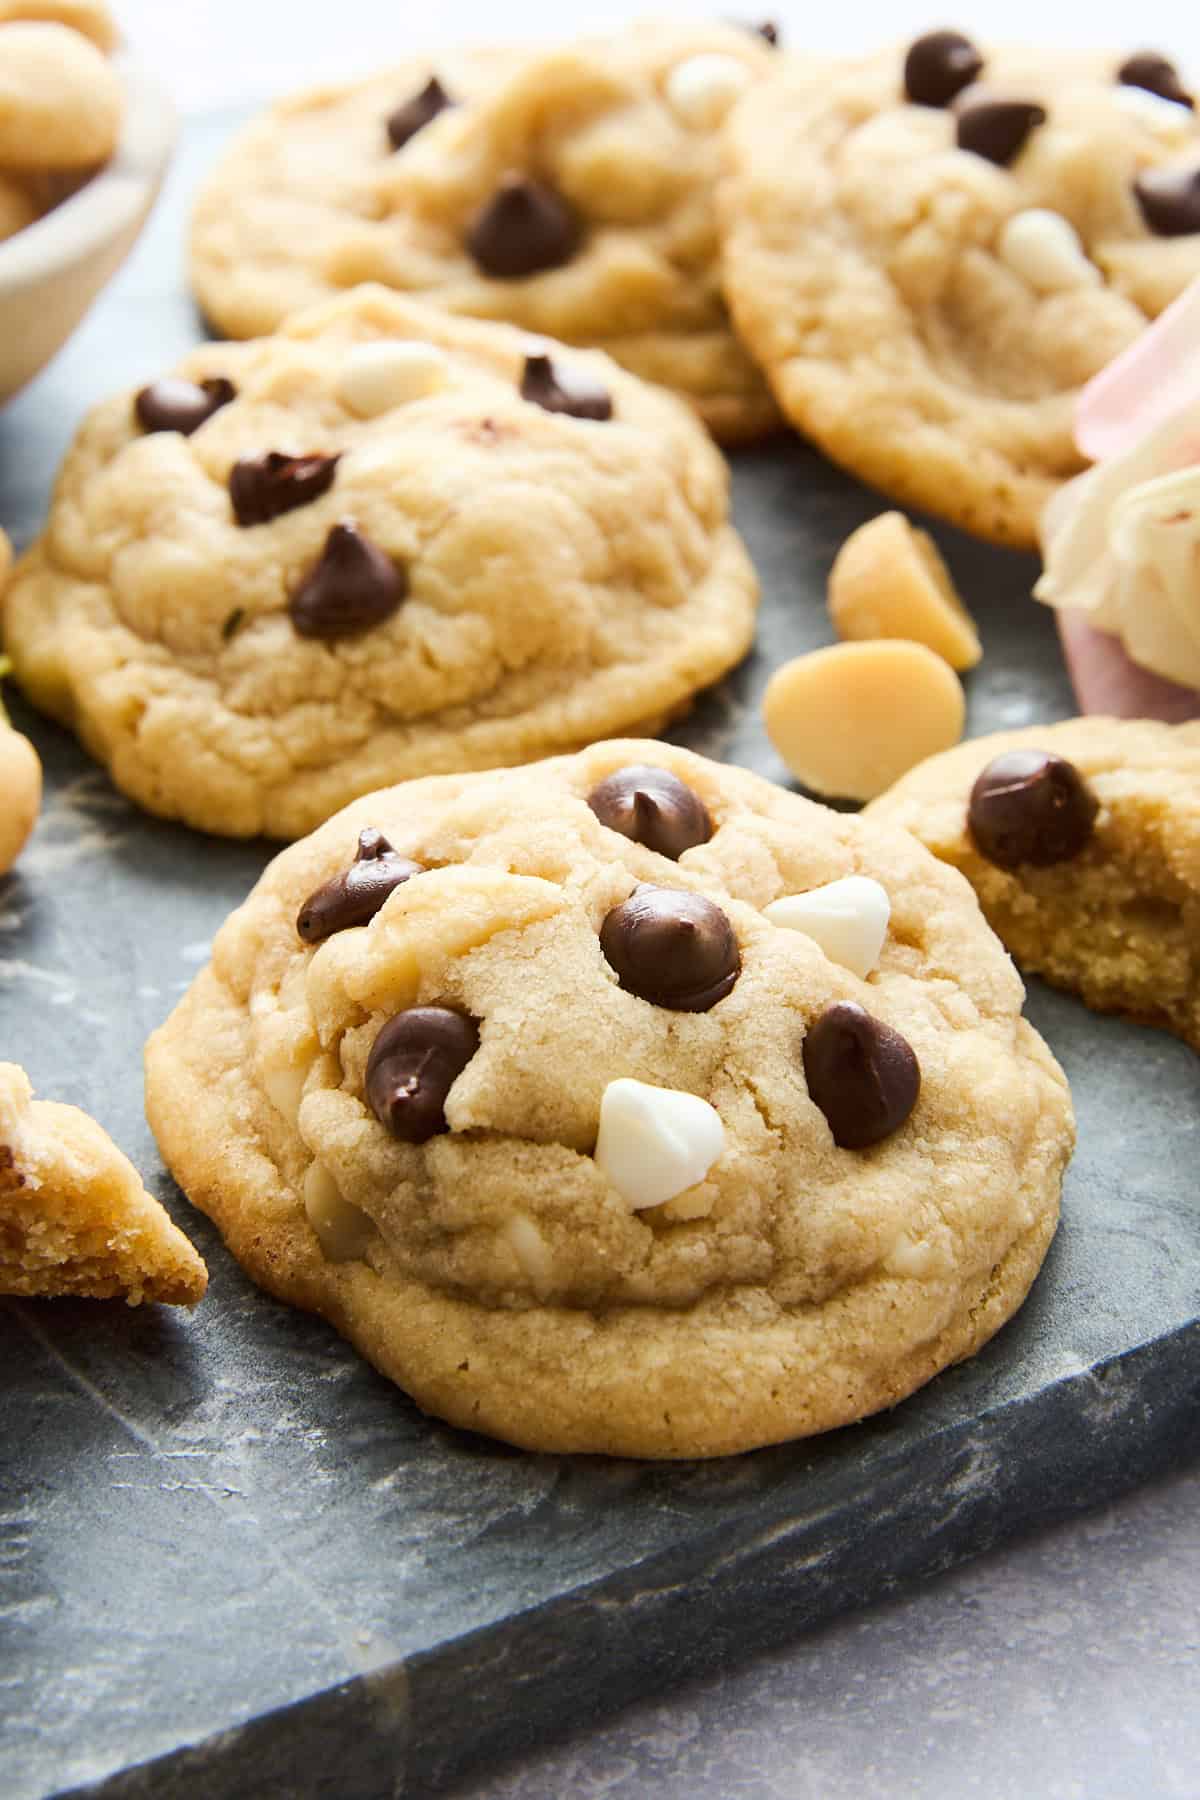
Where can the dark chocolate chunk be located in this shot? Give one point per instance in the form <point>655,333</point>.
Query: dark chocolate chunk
<point>353,587</point>
<point>1147,69</point>
<point>1029,806</point>
<point>262,487</point>
<point>939,66</point>
<point>173,404</point>
<point>414,1062</point>
<point>525,227</point>
<point>653,807</point>
<point>1170,200</point>
<point>992,126</point>
<point>356,895</point>
<point>671,948</point>
<point>863,1075</point>
<point>417,112</point>
<point>558,387</point>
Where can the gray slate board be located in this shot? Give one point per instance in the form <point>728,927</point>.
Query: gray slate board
<point>231,1552</point>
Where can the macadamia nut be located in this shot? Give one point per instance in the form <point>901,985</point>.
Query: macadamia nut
<point>851,719</point>
<point>888,581</point>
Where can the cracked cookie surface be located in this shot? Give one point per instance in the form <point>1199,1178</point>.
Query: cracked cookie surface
<point>1116,921</point>
<point>313,198</point>
<point>927,312</point>
<point>520,576</point>
<point>497,1269</point>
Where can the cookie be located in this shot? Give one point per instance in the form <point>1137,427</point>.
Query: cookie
<point>539,1085</point>
<point>17,209</point>
<point>1082,841</point>
<point>60,100</point>
<point>929,282</point>
<point>385,543</point>
<point>569,191</point>
<point>91,17</point>
<point>74,1216</point>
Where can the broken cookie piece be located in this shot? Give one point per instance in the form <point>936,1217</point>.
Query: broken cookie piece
<point>74,1216</point>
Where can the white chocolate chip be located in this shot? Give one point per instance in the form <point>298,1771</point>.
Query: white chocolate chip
<point>655,1142</point>
<point>532,1252</point>
<point>914,1259</point>
<point>847,918</point>
<point>1044,249</point>
<point>344,1230</point>
<point>1167,119</point>
<point>701,90</point>
<point>377,377</point>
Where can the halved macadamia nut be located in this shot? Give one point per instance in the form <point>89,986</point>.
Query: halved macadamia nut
<point>889,581</point>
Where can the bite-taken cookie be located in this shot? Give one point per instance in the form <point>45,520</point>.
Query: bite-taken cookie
<point>930,251</point>
<point>74,1216</point>
<point>385,543</point>
<point>626,1103</point>
<point>1082,841</point>
<point>567,190</point>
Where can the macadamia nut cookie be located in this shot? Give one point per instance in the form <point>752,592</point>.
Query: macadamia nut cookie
<point>625,1103</point>
<point>387,542</point>
<point>1082,841</point>
<point>930,251</point>
<point>569,191</point>
<point>74,1216</point>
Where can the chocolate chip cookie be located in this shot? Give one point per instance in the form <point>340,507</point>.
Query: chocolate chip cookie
<point>569,191</point>
<point>387,542</point>
<point>625,1103</point>
<point>930,251</point>
<point>1082,841</point>
<point>74,1216</point>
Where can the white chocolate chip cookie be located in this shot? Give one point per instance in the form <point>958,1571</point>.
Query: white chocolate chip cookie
<point>514,1078</point>
<point>569,191</point>
<point>60,101</point>
<point>74,1216</point>
<point>1082,841</point>
<point>299,568</point>
<point>929,284</point>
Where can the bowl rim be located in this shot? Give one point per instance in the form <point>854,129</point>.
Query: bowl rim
<point>112,200</point>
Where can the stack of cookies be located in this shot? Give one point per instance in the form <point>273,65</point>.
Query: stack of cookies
<point>622,1101</point>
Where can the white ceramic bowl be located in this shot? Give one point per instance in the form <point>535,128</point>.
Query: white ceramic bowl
<point>52,271</point>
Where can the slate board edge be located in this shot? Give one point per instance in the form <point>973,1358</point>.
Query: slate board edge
<point>418,1726</point>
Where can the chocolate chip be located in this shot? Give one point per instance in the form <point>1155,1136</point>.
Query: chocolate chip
<point>1029,806</point>
<point>994,127</point>
<point>768,30</point>
<point>173,404</point>
<point>671,948</point>
<point>1170,200</point>
<point>263,487</point>
<point>560,388</point>
<point>417,112</point>
<point>356,895</point>
<point>654,808</point>
<point>1147,69</point>
<point>414,1062</point>
<point>353,587</point>
<point>523,228</point>
<point>863,1075</point>
<point>233,621</point>
<point>940,65</point>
